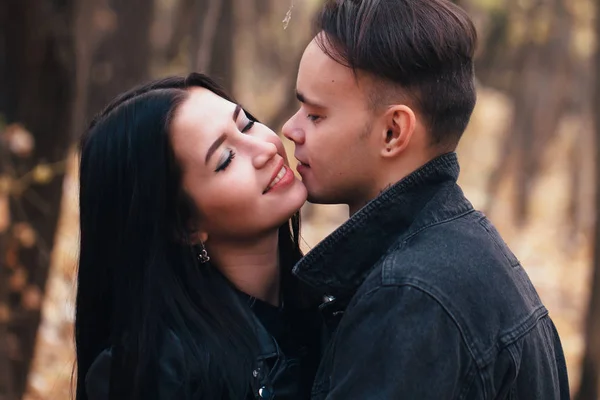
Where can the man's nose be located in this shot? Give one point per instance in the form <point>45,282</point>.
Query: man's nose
<point>292,131</point>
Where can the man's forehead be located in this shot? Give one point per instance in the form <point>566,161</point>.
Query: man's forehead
<point>320,75</point>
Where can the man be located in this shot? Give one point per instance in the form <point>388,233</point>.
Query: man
<point>425,300</point>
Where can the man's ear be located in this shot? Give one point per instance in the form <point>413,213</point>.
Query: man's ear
<point>400,123</point>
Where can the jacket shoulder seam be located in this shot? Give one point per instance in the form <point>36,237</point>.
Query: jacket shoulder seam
<point>441,222</point>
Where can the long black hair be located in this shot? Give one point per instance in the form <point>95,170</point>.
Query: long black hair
<point>138,281</point>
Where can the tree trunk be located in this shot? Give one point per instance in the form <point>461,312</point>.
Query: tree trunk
<point>542,93</point>
<point>38,69</point>
<point>590,376</point>
<point>121,59</point>
<point>221,63</point>
<point>212,41</point>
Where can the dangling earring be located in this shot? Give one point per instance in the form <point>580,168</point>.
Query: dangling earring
<point>201,254</point>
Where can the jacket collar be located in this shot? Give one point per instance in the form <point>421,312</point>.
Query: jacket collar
<point>341,262</point>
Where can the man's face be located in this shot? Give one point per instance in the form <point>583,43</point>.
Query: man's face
<point>333,132</point>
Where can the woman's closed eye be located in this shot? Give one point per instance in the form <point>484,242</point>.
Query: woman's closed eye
<point>225,160</point>
<point>248,126</point>
<point>247,122</point>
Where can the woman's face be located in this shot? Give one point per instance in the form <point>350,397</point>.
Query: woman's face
<point>236,171</point>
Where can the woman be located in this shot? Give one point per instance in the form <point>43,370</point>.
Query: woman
<point>189,230</point>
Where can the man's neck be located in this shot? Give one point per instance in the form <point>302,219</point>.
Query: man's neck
<point>252,267</point>
<point>340,263</point>
<point>392,173</point>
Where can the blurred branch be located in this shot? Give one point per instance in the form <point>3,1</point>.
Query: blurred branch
<point>40,174</point>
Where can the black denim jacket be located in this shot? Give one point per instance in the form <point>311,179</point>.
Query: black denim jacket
<point>426,301</point>
<point>277,374</point>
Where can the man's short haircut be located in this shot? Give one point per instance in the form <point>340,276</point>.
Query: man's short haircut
<point>420,49</point>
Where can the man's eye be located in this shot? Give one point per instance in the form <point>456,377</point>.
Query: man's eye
<point>313,117</point>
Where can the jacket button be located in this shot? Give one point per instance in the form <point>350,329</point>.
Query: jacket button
<point>264,393</point>
<point>328,298</point>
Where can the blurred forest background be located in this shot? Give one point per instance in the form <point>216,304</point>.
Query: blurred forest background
<point>529,158</point>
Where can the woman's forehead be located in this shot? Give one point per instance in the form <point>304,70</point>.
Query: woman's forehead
<point>202,100</point>
<point>202,111</point>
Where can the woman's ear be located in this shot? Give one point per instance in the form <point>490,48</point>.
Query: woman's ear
<point>399,128</point>
<point>203,236</point>
<point>198,236</point>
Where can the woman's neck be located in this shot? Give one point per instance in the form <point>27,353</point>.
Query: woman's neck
<point>252,267</point>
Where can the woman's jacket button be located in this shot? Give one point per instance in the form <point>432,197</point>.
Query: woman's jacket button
<point>264,393</point>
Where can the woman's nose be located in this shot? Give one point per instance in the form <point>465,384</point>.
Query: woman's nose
<point>264,151</point>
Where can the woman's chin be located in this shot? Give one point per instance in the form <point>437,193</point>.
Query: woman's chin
<point>299,195</point>
<point>294,201</point>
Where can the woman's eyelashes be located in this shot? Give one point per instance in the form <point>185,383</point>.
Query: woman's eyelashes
<point>229,155</point>
<point>248,122</point>
<point>248,126</point>
<point>225,160</point>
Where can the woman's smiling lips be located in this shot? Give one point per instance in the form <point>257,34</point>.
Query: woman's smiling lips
<point>282,177</point>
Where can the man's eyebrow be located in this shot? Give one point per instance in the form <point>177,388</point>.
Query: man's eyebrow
<point>302,99</point>
<point>213,147</point>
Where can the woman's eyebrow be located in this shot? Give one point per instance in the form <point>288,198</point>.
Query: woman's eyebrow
<point>213,147</point>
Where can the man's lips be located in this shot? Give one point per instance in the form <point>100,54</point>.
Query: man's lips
<point>302,163</point>
<point>302,167</point>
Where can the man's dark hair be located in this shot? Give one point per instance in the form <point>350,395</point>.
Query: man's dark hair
<point>423,47</point>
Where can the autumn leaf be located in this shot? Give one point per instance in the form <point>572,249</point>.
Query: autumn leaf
<point>32,298</point>
<point>18,280</point>
<point>18,140</point>
<point>25,234</point>
<point>42,174</point>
